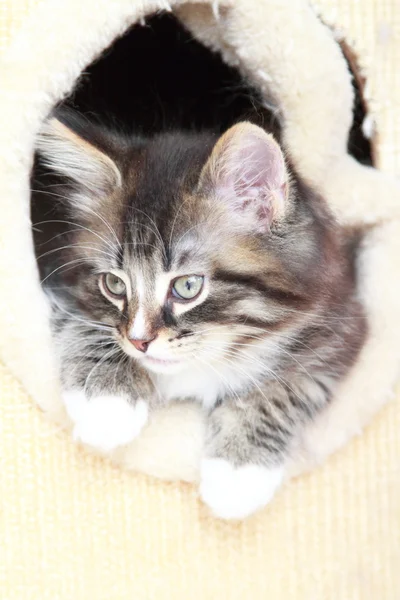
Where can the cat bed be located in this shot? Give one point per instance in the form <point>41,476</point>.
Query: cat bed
<point>291,57</point>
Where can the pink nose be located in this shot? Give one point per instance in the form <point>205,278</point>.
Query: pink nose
<point>141,345</point>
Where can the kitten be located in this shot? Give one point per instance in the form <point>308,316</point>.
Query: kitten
<point>187,266</point>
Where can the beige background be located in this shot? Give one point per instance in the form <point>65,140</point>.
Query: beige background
<point>73,527</point>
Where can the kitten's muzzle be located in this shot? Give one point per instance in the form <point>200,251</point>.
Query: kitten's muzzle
<point>142,344</point>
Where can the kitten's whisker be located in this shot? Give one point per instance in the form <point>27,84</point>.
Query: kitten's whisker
<point>90,323</point>
<point>211,214</point>
<point>240,402</point>
<point>156,231</point>
<point>265,368</point>
<point>138,243</point>
<point>268,332</point>
<point>75,224</point>
<point>85,352</point>
<point>74,246</point>
<point>106,223</point>
<point>92,355</point>
<point>91,330</point>
<point>82,348</point>
<point>291,356</point>
<point>178,211</point>
<point>285,386</point>
<point>89,337</point>
<point>141,244</point>
<point>188,231</point>
<point>76,261</point>
<point>281,349</point>
<point>113,352</point>
<point>221,377</point>
<point>87,208</point>
<point>85,345</point>
<point>62,233</point>
<point>122,360</point>
<point>152,221</point>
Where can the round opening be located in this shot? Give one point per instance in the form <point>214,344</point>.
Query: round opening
<point>157,77</point>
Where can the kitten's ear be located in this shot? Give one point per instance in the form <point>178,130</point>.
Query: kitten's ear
<point>67,153</point>
<point>247,171</point>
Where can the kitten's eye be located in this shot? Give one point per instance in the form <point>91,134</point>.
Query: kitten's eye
<point>114,285</point>
<point>188,286</point>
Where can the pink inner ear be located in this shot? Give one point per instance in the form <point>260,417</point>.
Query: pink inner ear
<point>252,175</point>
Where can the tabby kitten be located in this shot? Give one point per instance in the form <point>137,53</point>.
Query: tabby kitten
<point>190,267</point>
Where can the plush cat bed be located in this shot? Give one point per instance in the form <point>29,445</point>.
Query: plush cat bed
<point>315,105</point>
<point>287,53</point>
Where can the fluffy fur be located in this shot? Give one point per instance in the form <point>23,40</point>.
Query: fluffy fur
<point>272,332</point>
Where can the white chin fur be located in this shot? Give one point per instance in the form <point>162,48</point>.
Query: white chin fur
<point>164,368</point>
<point>104,422</point>
<point>237,492</point>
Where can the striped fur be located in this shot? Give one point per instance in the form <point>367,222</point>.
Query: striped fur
<point>275,328</point>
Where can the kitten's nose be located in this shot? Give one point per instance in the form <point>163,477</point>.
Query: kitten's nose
<point>142,345</point>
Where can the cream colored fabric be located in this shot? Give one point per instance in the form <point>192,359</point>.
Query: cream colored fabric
<point>73,526</point>
<point>39,67</point>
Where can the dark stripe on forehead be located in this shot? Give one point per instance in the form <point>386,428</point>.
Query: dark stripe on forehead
<point>167,257</point>
<point>120,256</point>
<point>258,284</point>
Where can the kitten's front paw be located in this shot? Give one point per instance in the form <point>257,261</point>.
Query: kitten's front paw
<point>236,492</point>
<point>104,422</point>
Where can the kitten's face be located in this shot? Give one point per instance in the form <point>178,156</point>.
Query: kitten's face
<point>191,257</point>
<point>168,318</point>
<point>191,308</point>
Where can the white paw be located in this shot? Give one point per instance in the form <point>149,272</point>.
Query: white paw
<point>236,492</point>
<point>104,422</point>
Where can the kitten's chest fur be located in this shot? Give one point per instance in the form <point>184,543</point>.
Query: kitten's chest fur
<point>204,386</point>
<point>191,383</point>
<point>209,383</point>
